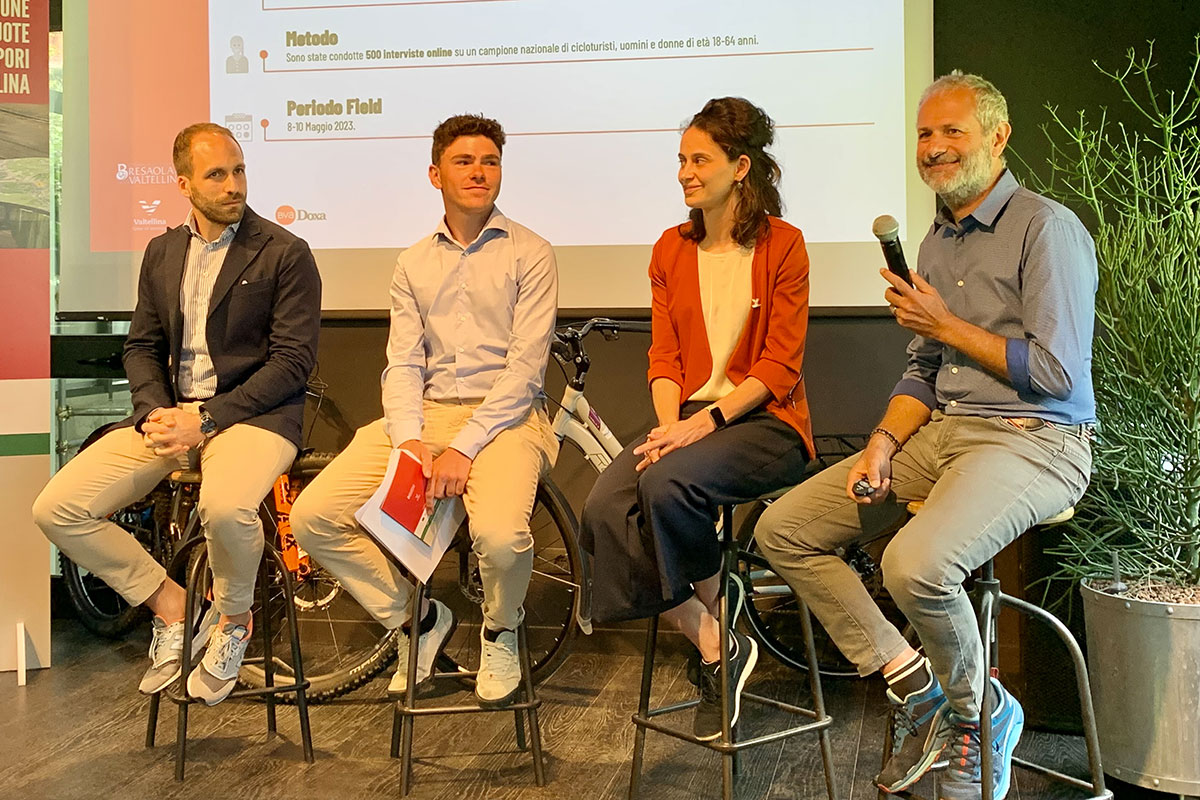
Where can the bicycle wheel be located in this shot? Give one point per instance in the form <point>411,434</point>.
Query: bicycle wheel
<point>99,608</point>
<point>774,613</point>
<point>550,604</point>
<point>342,646</point>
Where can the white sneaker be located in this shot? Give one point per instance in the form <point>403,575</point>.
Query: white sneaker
<point>166,650</point>
<point>429,646</point>
<point>499,669</point>
<point>215,676</point>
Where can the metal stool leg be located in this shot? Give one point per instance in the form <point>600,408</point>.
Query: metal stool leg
<point>410,694</point>
<point>1087,710</point>
<point>535,733</point>
<point>639,733</point>
<point>268,657</point>
<point>988,588</point>
<point>289,600</point>
<point>814,682</point>
<point>152,720</point>
<point>729,556</point>
<point>189,624</point>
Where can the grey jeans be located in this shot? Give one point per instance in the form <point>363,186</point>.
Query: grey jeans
<point>984,482</point>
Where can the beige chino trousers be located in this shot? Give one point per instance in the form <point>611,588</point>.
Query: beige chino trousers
<point>499,498</point>
<point>239,465</point>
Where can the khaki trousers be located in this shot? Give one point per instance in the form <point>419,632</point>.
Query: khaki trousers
<point>984,483</point>
<point>239,465</point>
<point>501,488</point>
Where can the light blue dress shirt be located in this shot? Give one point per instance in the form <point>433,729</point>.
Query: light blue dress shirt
<point>470,324</point>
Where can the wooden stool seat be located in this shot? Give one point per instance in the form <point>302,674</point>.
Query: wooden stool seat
<point>185,476</point>
<point>914,507</point>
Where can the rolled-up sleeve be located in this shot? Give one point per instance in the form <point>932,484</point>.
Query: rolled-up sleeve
<point>512,395</point>
<point>403,378</point>
<point>1058,288</point>
<point>919,380</point>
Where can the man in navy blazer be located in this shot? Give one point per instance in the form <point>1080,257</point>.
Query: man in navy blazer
<point>220,348</point>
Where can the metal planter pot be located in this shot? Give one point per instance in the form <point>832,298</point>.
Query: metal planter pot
<point>1144,664</point>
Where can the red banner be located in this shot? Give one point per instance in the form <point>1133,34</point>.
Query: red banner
<point>136,112</point>
<point>24,72</point>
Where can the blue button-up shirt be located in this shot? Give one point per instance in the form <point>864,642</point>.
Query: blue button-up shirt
<point>470,324</point>
<point>1023,267</point>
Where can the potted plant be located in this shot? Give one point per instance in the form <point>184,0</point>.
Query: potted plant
<point>1134,544</point>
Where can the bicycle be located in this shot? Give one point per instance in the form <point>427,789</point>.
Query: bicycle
<point>771,607</point>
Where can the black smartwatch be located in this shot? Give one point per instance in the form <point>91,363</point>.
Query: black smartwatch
<point>717,417</point>
<point>208,425</point>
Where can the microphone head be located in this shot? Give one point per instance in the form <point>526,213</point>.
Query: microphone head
<point>886,228</point>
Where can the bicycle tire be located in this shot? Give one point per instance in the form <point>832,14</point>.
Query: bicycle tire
<point>551,603</point>
<point>772,611</point>
<point>342,647</point>
<point>97,606</point>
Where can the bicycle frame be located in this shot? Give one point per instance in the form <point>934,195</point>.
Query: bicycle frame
<point>578,423</point>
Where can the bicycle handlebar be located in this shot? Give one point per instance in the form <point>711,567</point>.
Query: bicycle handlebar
<point>567,344</point>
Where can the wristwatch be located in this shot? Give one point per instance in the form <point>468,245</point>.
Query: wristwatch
<point>208,425</point>
<point>717,417</point>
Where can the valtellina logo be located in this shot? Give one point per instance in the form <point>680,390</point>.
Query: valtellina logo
<point>149,206</point>
<point>286,215</point>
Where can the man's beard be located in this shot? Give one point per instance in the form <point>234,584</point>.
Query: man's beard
<point>218,212</point>
<point>973,176</point>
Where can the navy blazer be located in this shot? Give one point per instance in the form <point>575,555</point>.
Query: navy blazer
<point>263,322</point>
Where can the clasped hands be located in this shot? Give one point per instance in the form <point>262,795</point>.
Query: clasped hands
<point>445,476</point>
<point>672,436</point>
<point>171,431</point>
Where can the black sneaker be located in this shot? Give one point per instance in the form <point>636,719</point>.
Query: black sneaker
<point>737,594</point>
<point>743,655</point>
<point>918,737</point>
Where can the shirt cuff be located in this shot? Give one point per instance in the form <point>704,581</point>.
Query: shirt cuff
<point>470,440</point>
<point>1016,358</point>
<point>919,390</point>
<point>401,432</point>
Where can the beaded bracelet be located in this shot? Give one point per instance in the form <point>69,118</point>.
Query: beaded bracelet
<point>889,435</point>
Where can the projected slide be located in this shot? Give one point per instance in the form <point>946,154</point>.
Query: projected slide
<point>334,104</point>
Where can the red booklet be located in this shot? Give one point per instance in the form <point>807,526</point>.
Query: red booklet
<point>405,500</point>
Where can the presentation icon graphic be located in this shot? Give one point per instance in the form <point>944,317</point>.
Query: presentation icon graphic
<point>237,63</point>
<point>241,125</point>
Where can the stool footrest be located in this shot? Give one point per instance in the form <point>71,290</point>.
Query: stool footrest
<point>733,747</point>
<point>180,699</point>
<point>430,710</point>
<point>1070,780</point>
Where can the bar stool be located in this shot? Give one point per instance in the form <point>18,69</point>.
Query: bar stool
<point>989,600</point>
<point>406,710</point>
<point>195,578</point>
<point>726,745</point>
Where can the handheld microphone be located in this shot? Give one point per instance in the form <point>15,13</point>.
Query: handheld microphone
<point>887,231</point>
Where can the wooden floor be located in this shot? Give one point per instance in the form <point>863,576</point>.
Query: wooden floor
<point>76,732</point>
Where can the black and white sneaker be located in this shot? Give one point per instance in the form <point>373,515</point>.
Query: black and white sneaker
<point>430,645</point>
<point>743,655</point>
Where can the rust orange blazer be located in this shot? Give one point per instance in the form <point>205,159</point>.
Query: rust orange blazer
<point>771,348</point>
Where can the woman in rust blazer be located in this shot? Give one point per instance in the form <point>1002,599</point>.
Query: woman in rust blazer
<point>730,313</point>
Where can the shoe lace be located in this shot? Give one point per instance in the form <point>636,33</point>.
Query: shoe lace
<point>500,658</point>
<point>164,642</point>
<point>228,646</point>
<point>962,747</point>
